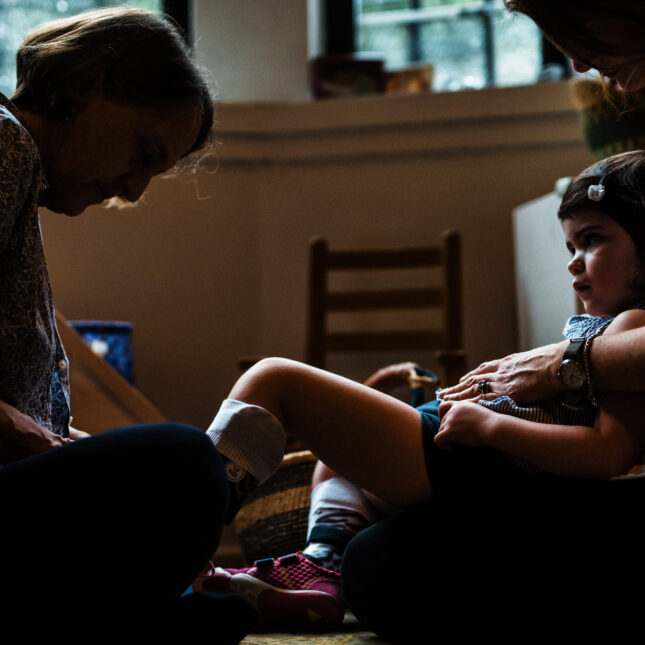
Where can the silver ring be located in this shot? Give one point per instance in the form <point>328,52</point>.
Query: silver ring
<point>483,387</point>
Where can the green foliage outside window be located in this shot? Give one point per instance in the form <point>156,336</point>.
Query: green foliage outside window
<point>18,17</point>
<point>470,43</point>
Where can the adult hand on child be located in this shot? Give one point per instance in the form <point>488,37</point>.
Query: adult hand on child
<point>526,376</point>
<point>464,423</point>
<point>21,436</point>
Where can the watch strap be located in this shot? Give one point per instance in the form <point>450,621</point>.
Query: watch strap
<point>575,350</point>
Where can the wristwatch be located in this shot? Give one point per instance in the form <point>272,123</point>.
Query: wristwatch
<point>572,369</point>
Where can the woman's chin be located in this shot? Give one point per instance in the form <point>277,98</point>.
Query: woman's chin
<point>69,207</point>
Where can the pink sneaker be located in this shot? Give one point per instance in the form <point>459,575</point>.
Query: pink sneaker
<point>290,591</point>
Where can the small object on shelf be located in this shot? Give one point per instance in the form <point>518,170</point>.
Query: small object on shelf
<point>411,80</point>
<point>111,340</point>
<point>345,75</point>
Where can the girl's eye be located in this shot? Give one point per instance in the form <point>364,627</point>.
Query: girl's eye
<point>591,238</point>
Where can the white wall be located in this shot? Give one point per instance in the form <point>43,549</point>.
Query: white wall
<point>208,279</point>
<point>258,49</point>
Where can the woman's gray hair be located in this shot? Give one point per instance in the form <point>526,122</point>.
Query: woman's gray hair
<point>130,56</point>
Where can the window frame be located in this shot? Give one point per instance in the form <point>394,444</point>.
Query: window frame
<point>341,37</point>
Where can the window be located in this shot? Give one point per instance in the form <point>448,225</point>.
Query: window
<point>469,43</point>
<point>18,17</point>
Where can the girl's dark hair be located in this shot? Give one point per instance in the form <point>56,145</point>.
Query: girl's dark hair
<point>623,177</point>
<point>130,56</point>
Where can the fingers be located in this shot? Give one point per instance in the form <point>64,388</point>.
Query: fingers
<point>444,406</point>
<point>441,442</point>
<point>484,368</point>
<point>474,388</point>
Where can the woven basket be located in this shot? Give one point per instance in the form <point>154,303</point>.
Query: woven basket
<point>273,520</point>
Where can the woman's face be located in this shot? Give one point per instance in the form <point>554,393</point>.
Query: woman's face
<point>627,77</point>
<point>616,35</point>
<point>109,150</point>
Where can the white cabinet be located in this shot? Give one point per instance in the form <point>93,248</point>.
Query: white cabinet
<point>545,298</point>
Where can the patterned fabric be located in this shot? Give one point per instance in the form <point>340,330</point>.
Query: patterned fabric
<point>34,374</point>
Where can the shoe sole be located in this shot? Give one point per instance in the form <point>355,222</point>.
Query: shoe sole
<point>302,609</point>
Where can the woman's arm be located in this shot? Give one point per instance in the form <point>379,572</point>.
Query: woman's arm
<point>21,436</point>
<point>617,363</point>
<point>610,448</point>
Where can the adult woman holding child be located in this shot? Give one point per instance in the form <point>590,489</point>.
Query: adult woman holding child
<point>529,560</point>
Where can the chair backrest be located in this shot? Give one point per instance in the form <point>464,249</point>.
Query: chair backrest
<point>445,297</point>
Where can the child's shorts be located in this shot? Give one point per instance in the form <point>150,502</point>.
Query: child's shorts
<point>464,468</point>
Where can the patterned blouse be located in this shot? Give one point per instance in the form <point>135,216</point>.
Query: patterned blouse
<point>34,376</point>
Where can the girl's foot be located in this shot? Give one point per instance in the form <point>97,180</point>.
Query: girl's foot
<point>290,591</point>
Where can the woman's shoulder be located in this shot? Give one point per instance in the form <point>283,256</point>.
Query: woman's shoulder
<point>16,144</point>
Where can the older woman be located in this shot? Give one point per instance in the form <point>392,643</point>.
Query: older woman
<point>96,530</point>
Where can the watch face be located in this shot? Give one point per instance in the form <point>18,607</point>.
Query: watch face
<point>572,375</point>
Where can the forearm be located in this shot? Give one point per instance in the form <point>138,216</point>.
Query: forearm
<point>21,436</point>
<point>568,451</point>
<point>618,361</point>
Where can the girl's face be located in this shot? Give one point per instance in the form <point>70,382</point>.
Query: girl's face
<point>607,272</point>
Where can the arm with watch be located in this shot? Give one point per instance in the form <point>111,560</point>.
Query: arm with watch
<point>609,448</point>
<point>616,363</point>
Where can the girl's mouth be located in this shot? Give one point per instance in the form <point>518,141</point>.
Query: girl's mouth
<point>580,288</point>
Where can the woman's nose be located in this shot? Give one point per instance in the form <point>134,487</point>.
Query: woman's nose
<point>133,185</point>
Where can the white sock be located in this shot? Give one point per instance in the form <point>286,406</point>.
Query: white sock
<point>249,436</point>
<point>339,510</point>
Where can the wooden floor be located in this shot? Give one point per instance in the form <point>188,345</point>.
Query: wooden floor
<point>350,633</point>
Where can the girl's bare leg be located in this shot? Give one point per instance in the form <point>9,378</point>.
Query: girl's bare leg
<point>368,437</point>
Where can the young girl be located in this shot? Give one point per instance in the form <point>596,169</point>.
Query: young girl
<point>403,455</point>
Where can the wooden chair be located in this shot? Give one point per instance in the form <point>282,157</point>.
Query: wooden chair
<point>446,338</point>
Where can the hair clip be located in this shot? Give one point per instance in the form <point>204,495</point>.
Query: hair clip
<point>596,192</point>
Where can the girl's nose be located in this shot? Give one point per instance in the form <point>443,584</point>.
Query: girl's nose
<point>576,265</point>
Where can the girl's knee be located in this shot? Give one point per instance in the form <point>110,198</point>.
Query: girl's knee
<point>266,383</point>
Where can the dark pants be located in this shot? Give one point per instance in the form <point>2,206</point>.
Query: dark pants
<point>107,532</point>
<point>553,558</point>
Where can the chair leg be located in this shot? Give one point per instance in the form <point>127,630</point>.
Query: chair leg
<point>452,365</point>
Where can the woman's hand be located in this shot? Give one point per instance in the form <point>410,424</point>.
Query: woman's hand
<point>21,436</point>
<point>527,376</point>
<point>464,423</point>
